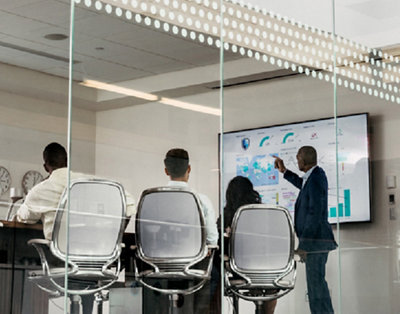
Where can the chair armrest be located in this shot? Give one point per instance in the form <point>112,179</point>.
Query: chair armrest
<point>38,245</point>
<point>15,202</point>
<point>39,241</point>
<point>298,258</point>
<point>9,212</point>
<point>212,246</point>
<point>210,257</point>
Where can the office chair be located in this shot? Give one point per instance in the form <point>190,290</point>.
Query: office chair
<point>261,265</point>
<point>96,224</point>
<point>171,240</point>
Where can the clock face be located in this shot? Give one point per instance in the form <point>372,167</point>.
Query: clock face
<point>5,180</point>
<point>30,179</point>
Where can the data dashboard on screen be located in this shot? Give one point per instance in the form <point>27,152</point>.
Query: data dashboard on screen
<point>249,153</point>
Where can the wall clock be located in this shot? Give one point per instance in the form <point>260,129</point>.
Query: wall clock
<point>30,179</point>
<point>5,180</point>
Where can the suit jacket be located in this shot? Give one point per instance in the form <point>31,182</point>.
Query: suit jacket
<point>311,212</point>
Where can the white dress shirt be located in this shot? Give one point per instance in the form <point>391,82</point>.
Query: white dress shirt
<point>307,175</point>
<point>41,203</point>
<point>208,213</point>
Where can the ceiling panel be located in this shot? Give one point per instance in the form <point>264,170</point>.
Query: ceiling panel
<point>351,16</point>
<point>106,71</point>
<point>11,24</point>
<point>8,55</point>
<point>125,50</point>
<point>130,51</point>
<point>53,12</point>
<point>62,71</point>
<point>24,43</point>
<point>27,60</point>
<point>143,60</point>
<point>138,36</point>
<point>7,4</point>
<point>38,37</point>
<point>98,47</point>
<point>101,25</point>
<point>382,9</point>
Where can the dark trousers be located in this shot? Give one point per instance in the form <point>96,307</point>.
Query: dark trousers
<point>87,303</point>
<point>318,292</point>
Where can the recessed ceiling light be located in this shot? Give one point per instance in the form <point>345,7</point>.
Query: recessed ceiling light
<point>151,97</point>
<point>55,36</point>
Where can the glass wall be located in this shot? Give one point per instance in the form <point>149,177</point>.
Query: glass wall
<point>368,81</point>
<point>274,105</point>
<point>33,111</point>
<point>152,86</point>
<point>120,83</point>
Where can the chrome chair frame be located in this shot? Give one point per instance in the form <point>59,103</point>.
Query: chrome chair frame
<point>173,268</point>
<point>271,283</point>
<point>84,267</point>
<point>12,205</point>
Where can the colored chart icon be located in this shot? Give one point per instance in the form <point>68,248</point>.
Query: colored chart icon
<point>288,135</point>
<point>264,140</point>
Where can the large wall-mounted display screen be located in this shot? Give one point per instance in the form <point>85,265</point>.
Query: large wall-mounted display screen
<point>249,153</point>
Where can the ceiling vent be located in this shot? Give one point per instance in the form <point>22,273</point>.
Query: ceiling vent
<point>253,78</point>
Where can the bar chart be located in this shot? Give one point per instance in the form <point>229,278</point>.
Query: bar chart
<point>343,209</point>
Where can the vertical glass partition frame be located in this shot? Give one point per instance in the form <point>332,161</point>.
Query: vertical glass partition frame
<point>278,97</point>
<point>147,73</point>
<point>33,114</point>
<point>368,82</point>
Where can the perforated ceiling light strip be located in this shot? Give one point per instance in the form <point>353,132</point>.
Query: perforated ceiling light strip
<point>268,37</point>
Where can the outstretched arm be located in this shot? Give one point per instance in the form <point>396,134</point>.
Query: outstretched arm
<point>287,174</point>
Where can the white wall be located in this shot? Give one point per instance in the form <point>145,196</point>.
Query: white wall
<point>131,143</point>
<point>28,124</point>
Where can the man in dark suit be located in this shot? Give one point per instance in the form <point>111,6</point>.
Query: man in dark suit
<point>311,224</point>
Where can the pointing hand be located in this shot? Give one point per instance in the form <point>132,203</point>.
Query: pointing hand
<point>279,164</point>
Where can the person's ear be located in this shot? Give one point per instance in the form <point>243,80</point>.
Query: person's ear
<point>189,169</point>
<point>166,171</point>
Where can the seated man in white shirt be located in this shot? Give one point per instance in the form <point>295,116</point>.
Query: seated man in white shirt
<point>177,167</point>
<point>42,201</point>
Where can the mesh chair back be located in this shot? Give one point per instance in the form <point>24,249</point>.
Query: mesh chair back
<point>97,210</point>
<point>169,224</point>
<point>261,239</point>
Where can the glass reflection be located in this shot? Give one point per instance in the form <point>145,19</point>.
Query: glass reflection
<point>156,66</point>
<point>286,78</point>
<point>147,75</point>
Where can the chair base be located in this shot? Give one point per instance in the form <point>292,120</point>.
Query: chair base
<point>174,303</point>
<point>75,306</point>
<point>98,297</point>
<point>259,307</point>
